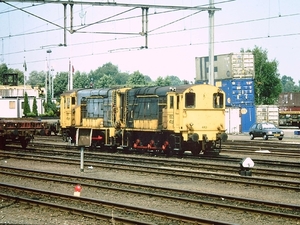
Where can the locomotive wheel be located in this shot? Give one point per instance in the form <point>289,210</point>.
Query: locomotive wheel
<point>169,153</point>
<point>128,139</point>
<point>2,142</point>
<point>195,148</point>
<point>24,142</point>
<point>195,152</point>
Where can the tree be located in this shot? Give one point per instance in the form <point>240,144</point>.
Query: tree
<point>288,84</point>
<point>136,79</point>
<point>267,82</point>
<point>107,69</point>
<point>105,81</point>
<point>148,79</point>
<point>60,83</point>
<point>34,107</point>
<point>175,81</point>
<point>81,80</point>
<point>26,107</point>
<point>5,70</point>
<point>121,78</point>
<point>163,81</point>
<point>36,79</point>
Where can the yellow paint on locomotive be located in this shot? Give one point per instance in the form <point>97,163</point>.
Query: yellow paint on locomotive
<point>202,118</point>
<point>69,112</point>
<point>146,124</point>
<point>119,108</point>
<point>92,122</point>
<point>205,117</point>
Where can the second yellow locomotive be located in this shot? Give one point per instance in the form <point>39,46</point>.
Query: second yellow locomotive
<point>166,119</point>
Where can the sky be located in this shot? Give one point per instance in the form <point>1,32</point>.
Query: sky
<point>29,31</point>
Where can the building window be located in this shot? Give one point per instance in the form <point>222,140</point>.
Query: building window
<point>12,105</point>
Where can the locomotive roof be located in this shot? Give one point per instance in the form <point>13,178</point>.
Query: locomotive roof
<point>101,92</point>
<point>68,92</point>
<point>159,91</point>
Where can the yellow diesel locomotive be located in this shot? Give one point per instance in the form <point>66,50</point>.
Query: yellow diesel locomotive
<point>167,119</point>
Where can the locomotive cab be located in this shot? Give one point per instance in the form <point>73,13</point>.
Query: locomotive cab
<point>195,116</point>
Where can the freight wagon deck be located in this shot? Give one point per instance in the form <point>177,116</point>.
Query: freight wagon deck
<point>19,131</point>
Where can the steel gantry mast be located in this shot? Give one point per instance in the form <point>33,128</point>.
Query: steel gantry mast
<point>211,71</point>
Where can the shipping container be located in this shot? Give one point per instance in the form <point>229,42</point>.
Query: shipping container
<point>267,113</point>
<point>248,117</point>
<point>232,120</point>
<point>226,66</point>
<point>238,91</point>
<point>289,100</point>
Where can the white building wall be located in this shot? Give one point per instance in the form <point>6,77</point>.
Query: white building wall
<point>9,108</point>
<point>12,107</point>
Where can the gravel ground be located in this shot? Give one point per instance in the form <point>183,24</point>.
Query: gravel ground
<point>16,213</point>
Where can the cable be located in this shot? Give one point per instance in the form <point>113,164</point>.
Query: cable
<point>162,47</point>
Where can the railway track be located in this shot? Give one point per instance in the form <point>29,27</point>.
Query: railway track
<point>276,169</point>
<point>278,149</point>
<point>230,150</point>
<point>249,147</point>
<point>109,211</point>
<point>168,167</point>
<point>193,199</point>
<point>278,177</point>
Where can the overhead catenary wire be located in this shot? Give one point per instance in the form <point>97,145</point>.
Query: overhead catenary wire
<point>160,33</point>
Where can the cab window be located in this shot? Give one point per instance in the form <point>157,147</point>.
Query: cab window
<point>190,99</point>
<point>171,102</point>
<point>218,99</point>
<point>73,101</point>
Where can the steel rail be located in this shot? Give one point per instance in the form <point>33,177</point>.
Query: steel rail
<point>220,177</point>
<point>115,205</point>
<point>132,188</point>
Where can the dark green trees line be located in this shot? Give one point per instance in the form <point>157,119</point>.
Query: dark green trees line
<point>268,82</point>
